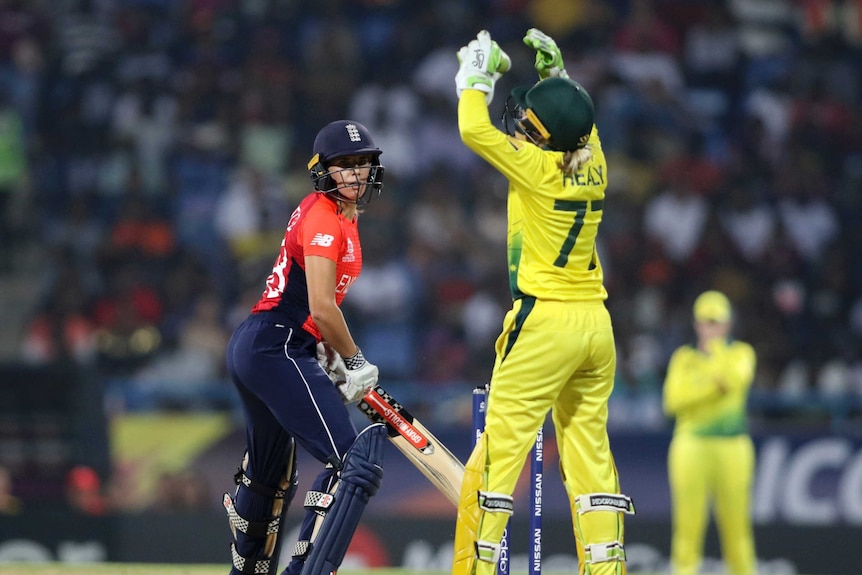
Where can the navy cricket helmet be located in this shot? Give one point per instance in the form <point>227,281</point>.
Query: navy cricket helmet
<point>557,110</point>
<point>340,139</point>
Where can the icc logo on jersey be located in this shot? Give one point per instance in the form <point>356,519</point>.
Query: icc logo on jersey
<point>349,256</point>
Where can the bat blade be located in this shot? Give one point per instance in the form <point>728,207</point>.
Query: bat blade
<point>416,442</point>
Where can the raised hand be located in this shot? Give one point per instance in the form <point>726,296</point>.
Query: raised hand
<point>549,59</point>
<point>482,62</point>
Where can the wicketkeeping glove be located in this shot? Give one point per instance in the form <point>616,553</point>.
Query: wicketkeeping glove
<point>482,62</point>
<point>361,376</point>
<point>549,59</point>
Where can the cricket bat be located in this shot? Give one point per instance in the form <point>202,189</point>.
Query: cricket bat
<point>414,440</point>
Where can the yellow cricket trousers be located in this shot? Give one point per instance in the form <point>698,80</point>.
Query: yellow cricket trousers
<point>555,356</point>
<point>705,473</point>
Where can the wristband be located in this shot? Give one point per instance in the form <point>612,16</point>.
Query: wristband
<point>355,361</point>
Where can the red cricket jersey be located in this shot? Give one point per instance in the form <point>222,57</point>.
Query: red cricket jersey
<point>316,228</point>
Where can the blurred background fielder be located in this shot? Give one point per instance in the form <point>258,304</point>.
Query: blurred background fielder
<point>711,456</point>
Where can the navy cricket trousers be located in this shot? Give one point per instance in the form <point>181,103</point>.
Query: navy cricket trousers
<point>285,394</point>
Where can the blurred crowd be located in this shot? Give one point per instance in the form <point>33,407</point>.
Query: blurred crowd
<point>84,492</point>
<point>156,148</point>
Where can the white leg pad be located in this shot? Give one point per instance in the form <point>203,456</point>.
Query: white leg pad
<point>496,502</point>
<point>602,552</point>
<point>487,551</point>
<point>604,502</point>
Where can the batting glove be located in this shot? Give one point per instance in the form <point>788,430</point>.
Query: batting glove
<point>549,59</point>
<point>361,377</point>
<point>482,63</point>
<point>334,366</point>
<point>332,363</point>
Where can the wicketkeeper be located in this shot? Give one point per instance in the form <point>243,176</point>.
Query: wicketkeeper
<point>556,352</point>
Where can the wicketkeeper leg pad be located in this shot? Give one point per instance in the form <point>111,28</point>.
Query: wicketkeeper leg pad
<point>599,531</point>
<point>256,527</point>
<point>479,512</point>
<point>359,480</point>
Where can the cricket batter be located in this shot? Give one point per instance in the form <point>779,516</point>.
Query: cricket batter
<point>287,397</point>
<point>711,456</point>
<point>556,352</point>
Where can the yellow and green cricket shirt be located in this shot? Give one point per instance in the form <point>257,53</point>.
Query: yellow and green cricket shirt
<point>692,395</point>
<point>553,218</point>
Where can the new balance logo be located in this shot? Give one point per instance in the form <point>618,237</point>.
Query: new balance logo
<point>353,133</point>
<point>324,240</point>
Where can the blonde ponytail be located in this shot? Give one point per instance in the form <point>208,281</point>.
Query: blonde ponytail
<point>573,160</point>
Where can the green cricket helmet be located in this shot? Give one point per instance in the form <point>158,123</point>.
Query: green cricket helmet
<point>557,110</point>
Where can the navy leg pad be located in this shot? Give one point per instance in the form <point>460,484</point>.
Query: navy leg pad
<point>360,480</point>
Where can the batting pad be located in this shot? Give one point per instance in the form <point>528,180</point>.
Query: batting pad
<point>256,539</point>
<point>360,479</point>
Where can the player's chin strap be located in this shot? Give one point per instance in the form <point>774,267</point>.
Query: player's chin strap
<point>265,560</point>
<point>359,479</point>
<point>613,502</point>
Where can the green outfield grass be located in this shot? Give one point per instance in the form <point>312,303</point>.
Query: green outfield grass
<point>109,568</point>
<point>165,569</point>
<point>156,569</point>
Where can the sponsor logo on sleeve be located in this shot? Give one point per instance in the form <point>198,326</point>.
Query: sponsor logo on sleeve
<point>323,240</point>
